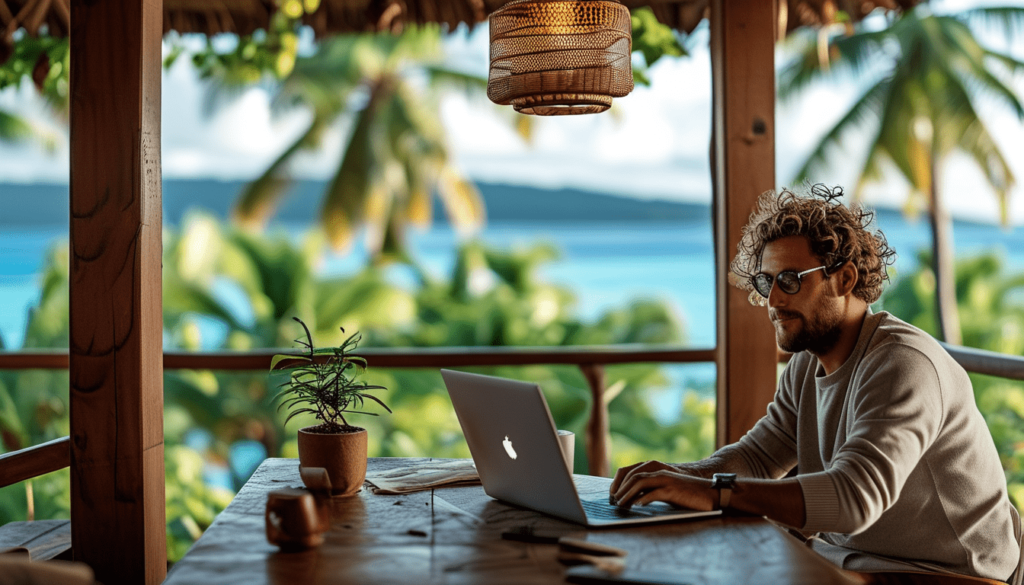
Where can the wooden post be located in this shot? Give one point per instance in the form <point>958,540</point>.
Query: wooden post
<point>597,425</point>
<point>743,155</point>
<point>118,521</point>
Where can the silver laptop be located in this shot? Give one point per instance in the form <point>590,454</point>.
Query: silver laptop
<point>513,441</point>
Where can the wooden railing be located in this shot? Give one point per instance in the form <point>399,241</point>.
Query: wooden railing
<point>974,361</point>
<point>980,361</point>
<point>17,466</point>
<point>590,359</point>
<point>34,461</point>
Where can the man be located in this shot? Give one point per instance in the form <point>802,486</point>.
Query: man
<point>895,467</point>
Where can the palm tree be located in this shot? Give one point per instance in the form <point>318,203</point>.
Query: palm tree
<point>921,109</point>
<point>396,153</point>
<point>388,88</point>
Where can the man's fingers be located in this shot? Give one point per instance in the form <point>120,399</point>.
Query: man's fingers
<point>660,494</point>
<point>638,484</point>
<point>621,475</point>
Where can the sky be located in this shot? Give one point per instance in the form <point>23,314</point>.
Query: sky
<point>653,144</point>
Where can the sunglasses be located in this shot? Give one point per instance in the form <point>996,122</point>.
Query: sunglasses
<point>788,281</point>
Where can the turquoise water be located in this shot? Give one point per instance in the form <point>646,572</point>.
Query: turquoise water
<point>607,264</point>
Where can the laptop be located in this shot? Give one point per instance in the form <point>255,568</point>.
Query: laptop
<point>514,444</point>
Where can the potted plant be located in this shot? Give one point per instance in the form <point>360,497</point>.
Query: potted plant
<point>323,383</point>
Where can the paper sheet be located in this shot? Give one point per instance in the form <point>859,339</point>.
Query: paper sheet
<point>423,476</point>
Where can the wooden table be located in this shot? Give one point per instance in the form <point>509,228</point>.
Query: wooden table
<point>453,535</point>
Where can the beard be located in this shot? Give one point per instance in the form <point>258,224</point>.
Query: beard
<point>817,334</point>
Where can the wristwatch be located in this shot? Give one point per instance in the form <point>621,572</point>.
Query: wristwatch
<point>724,483</point>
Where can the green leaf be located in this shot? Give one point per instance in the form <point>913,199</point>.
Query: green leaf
<point>277,359</point>
<point>652,39</point>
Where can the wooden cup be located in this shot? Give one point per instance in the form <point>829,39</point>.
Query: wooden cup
<point>295,519</point>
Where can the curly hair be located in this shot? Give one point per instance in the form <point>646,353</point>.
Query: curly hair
<point>837,234</point>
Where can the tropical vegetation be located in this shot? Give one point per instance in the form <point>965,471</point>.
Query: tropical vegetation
<point>395,154</point>
<point>225,288</point>
<point>44,62</point>
<point>929,74</point>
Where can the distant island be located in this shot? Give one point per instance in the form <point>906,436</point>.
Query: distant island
<point>47,204</point>
<point>42,204</point>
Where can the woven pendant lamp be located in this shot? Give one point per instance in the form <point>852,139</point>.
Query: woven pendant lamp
<point>558,57</point>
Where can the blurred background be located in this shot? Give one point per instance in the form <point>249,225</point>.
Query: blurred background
<point>366,183</point>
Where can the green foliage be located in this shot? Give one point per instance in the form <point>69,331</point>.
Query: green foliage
<point>45,62</point>
<point>191,504</point>
<point>491,297</point>
<point>652,40</point>
<point>323,382</point>
<point>992,305</point>
<point>271,51</point>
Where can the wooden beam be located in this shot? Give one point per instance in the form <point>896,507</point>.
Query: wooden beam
<point>43,359</point>
<point>401,357</point>
<point>598,438</point>
<point>116,362</point>
<point>455,357</point>
<point>743,155</point>
<point>17,466</point>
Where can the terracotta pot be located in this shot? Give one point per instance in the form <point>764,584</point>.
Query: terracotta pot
<point>343,455</point>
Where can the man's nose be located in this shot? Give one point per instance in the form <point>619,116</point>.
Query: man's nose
<point>776,298</point>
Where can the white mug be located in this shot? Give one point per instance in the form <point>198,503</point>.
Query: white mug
<point>567,440</point>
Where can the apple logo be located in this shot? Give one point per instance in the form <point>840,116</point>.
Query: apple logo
<point>508,447</point>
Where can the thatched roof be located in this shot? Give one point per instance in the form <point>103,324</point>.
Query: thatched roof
<point>339,16</point>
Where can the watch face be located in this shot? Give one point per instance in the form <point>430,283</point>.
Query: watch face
<point>723,480</point>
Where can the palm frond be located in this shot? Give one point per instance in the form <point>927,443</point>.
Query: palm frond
<point>854,54</point>
<point>346,198</point>
<point>446,78</point>
<point>1013,65</point>
<point>16,130</point>
<point>961,57</point>
<point>1006,19</point>
<point>867,106</point>
<point>462,201</point>
<point>978,143</point>
<point>182,296</point>
<point>259,198</point>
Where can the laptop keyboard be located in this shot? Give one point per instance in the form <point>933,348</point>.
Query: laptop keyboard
<point>601,509</point>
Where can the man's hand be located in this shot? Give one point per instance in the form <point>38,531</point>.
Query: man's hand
<point>654,481</point>
<point>642,467</point>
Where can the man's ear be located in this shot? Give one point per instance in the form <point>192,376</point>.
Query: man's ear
<point>846,279</point>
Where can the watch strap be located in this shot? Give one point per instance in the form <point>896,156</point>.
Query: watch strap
<point>724,483</point>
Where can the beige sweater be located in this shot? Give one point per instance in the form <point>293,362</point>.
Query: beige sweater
<point>896,463</point>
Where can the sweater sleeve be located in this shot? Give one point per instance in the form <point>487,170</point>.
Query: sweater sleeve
<point>768,451</point>
<point>896,415</point>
